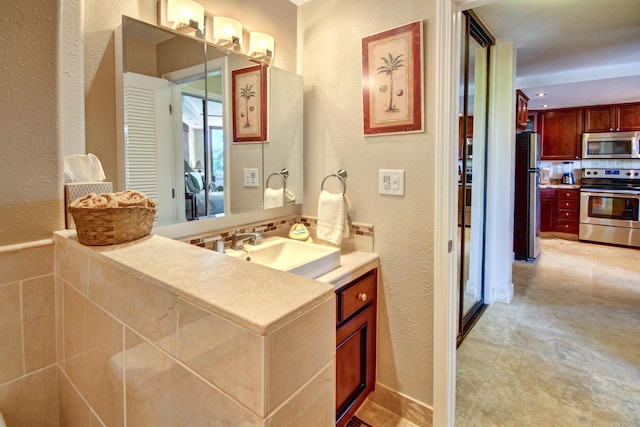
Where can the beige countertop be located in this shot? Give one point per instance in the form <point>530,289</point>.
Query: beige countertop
<point>256,297</point>
<point>352,265</point>
<point>560,186</point>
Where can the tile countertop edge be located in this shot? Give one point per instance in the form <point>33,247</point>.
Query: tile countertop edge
<point>228,287</point>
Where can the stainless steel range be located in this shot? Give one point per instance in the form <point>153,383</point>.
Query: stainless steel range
<point>610,206</point>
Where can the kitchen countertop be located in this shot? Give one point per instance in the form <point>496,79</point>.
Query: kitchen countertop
<point>560,186</point>
<point>256,297</point>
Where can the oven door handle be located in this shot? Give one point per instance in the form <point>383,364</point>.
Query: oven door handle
<point>609,191</point>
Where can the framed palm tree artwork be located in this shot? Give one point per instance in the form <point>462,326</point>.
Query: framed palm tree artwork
<point>249,88</point>
<point>392,93</point>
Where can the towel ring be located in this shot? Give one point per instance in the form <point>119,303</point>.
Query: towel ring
<point>284,174</point>
<point>341,175</point>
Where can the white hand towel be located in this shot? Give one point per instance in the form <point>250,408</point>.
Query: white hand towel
<point>273,198</point>
<point>332,217</point>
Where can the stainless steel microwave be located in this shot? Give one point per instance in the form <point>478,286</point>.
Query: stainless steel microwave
<point>611,145</point>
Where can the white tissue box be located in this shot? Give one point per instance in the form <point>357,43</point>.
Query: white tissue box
<point>73,190</point>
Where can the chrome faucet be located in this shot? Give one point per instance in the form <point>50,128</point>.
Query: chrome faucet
<point>238,239</point>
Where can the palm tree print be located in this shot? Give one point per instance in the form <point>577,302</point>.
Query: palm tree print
<point>247,93</point>
<point>391,64</point>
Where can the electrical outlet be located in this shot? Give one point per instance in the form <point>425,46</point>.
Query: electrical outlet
<point>391,182</point>
<point>251,177</point>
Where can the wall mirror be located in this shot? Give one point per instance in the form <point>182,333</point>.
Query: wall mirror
<point>476,42</point>
<point>176,139</point>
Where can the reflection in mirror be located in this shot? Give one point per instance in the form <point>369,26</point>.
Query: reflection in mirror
<point>149,154</point>
<point>284,147</point>
<point>177,145</point>
<point>471,170</point>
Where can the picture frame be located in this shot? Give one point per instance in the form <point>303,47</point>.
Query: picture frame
<point>249,88</point>
<point>392,86</point>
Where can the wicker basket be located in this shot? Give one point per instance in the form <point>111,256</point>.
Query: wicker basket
<point>108,226</point>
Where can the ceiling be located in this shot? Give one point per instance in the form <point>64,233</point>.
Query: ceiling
<point>577,52</point>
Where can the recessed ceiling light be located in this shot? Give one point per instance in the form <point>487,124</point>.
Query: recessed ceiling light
<point>544,105</point>
<point>541,94</point>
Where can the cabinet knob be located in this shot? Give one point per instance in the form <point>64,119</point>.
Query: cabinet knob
<point>362,297</point>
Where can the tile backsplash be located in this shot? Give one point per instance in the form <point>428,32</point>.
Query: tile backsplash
<point>360,235</point>
<point>556,168</point>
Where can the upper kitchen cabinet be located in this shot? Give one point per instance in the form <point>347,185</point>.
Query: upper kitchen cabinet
<point>522,110</point>
<point>612,118</point>
<point>561,132</point>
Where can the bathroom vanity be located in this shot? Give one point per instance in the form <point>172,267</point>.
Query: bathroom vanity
<point>156,332</point>
<point>356,282</point>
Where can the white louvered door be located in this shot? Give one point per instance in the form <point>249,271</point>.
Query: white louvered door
<point>148,149</point>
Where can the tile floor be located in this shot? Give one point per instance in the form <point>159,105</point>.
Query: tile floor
<point>377,416</point>
<point>566,351</point>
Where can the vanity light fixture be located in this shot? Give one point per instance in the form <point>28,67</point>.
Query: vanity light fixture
<point>227,32</point>
<point>261,46</point>
<point>185,16</point>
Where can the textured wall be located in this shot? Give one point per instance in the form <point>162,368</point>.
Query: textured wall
<point>31,137</point>
<point>330,41</point>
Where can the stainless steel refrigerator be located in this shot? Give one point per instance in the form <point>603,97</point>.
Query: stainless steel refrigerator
<point>526,233</point>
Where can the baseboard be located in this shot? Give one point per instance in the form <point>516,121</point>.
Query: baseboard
<point>402,405</point>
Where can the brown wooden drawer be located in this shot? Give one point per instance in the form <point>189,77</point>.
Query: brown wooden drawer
<point>567,213</point>
<point>568,194</point>
<point>356,295</point>
<point>567,226</point>
<point>547,193</point>
<point>568,204</point>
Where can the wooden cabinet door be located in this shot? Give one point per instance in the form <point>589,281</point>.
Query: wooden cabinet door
<point>599,119</point>
<point>547,209</point>
<point>628,117</point>
<point>561,132</point>
<point>547,214</point>
<point>355,363</point>
<point>522,110</point>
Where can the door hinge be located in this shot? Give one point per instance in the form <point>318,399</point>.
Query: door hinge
<point>173,193</point>
<point>170,109</point>
<point>450,246</point>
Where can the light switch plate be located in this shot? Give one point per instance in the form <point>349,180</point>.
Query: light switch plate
<point>250,177</point>
<point>391,182</point>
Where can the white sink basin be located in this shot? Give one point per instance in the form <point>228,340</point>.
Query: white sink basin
<point>301,258</point>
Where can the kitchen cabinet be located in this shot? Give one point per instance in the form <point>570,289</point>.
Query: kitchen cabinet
<point>612,118</point>
<point>567,216</point>
<point>522,110</point>
<point>532,121</point>
<point>547,209</point>
<point>628,117</point>
<point>355,344</point>
<point>561,132</point>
